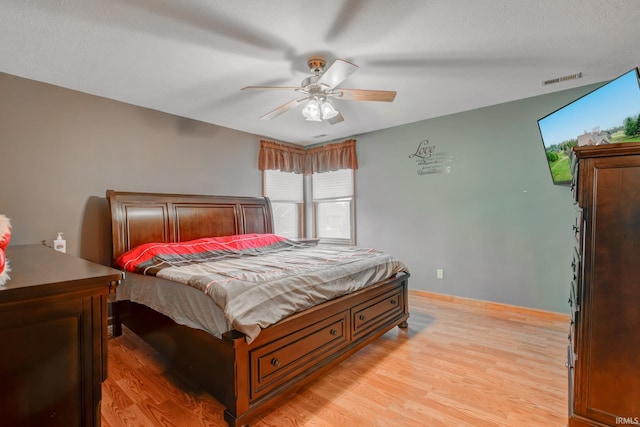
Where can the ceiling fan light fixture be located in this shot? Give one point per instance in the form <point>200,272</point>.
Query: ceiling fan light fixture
<point>311,111</point>
<point>321,86</point>
<point>328,110</point>
<point>318,109</point>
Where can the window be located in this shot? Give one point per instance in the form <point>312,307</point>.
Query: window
<point>329,204</point>
<point>313,185</point>
<point>333,206</point>
<point>285,190</point>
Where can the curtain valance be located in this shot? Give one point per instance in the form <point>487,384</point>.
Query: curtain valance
<point>289,158</point>
<point>286,158</point>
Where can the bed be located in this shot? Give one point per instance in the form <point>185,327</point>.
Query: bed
<point>246,371</point>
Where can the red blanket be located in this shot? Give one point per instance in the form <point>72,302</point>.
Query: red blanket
<point>150,258</point>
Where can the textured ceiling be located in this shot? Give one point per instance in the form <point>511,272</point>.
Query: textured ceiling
<point>191,57</point>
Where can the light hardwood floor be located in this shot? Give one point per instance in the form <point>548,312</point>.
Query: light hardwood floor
<point>460,363</point>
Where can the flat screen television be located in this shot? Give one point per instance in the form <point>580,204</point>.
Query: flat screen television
<point>606,115</point>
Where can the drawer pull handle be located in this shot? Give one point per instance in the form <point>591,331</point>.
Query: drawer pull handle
<point>333,332</point>
<point>275,362</point>
<point>393,302</point>
<point>363,317</point>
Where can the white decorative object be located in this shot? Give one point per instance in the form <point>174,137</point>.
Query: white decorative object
<point>60,244</point>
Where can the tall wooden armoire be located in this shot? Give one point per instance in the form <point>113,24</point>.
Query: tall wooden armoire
<point>604,341</point>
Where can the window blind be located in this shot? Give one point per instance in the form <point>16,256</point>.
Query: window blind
<point>333,184</point>
<point>283,186</point>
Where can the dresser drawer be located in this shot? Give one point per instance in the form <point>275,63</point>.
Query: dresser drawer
<point>277,362</point>
<point>376,311</point>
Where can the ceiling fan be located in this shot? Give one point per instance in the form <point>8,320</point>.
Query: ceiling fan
<point>320,88</point>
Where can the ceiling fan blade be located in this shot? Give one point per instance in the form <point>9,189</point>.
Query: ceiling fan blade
<point>366,95</point>
<point>270,88</point>
<point>282,109</point>
<point>208,25</point>
<point>337,73</point>
<point>336,119</point>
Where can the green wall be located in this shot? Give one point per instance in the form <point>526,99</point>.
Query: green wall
<point>495,223</point>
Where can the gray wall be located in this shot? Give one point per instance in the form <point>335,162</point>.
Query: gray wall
<point>495,224</point>
<point>61,150</point>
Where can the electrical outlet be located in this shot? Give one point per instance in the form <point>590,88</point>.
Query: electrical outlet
<point>440,273</point>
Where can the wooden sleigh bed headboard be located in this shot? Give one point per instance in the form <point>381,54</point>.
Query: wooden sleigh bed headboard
<point>138,218</point>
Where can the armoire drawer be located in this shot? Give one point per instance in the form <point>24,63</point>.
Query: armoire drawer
<point>277,362</point>
<point>576,282</point>
<point>375,312</point>
<point>577,228</point>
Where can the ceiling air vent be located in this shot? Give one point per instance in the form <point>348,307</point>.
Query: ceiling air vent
<point>322,135</point>
<point>562,79</point>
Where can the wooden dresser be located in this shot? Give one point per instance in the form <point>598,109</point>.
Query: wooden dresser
<point>604,341</point>
<point>53,330</point>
